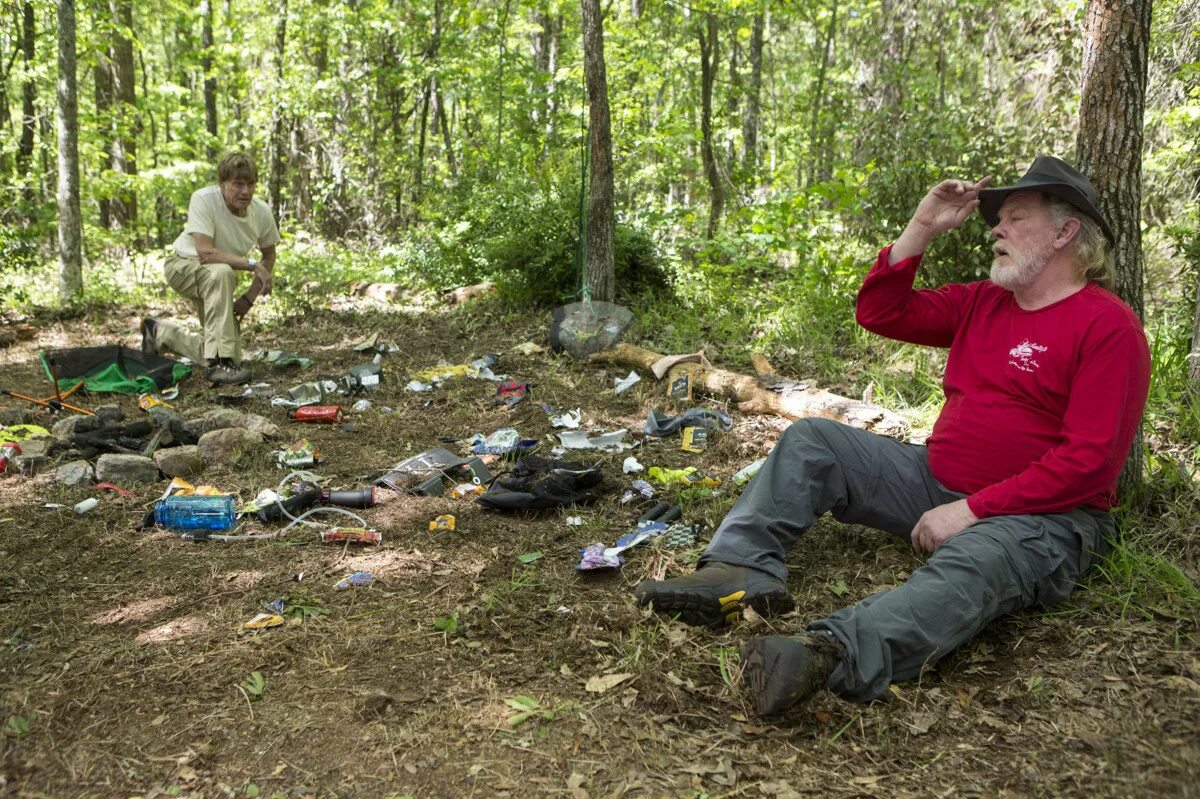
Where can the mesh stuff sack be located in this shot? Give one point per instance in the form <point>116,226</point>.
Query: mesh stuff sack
<point>538,483</point>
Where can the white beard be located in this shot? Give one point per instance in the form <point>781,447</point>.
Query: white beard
<point>1023,269</point>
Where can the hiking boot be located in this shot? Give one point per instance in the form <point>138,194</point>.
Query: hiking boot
<point>149,329</point>
<point>225,372</point>
<point>715,594</point>
<point>780,672</point>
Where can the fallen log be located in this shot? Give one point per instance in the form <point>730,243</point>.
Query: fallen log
<point>752,397</point>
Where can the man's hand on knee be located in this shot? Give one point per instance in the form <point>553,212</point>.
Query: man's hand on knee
<point>939,525</point>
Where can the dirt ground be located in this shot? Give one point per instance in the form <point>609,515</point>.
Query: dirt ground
<point>123,670</point>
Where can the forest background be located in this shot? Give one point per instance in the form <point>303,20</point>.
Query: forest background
<point>762,154</point>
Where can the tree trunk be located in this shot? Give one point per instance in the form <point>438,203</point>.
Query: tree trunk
<point>814,152</point>
<point>102,75</point>
<point>277,124</point>
<point>124,143</point>
<point>210,81</point>
<point>1109,145</point>
<point>600,279</point>
<point>753,102</point>
<point>447,141</point>
<point>708,66</point>
<point>502,48</point>
<point>70,234</point>
<point>28,101</point>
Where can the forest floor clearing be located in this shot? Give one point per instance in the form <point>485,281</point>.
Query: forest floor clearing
<point>463,671</point>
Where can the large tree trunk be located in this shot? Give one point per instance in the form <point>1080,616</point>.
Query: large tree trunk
<point>753,102</point>
<point>70,260</point>
<point>124,143</point>
<point>708,67</point>
<point>752,397</point>
<point>28,101</point>
<point>210,80</point>
<point>1109,145</point>
<point>600,279</point>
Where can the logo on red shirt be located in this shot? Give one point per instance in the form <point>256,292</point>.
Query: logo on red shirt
<point>1021,356</point>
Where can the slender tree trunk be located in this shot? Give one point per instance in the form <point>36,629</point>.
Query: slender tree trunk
<point>814,151</point>
<point>502,48</point>
<point>753,102</point>
<point>447,141</point>
<point>1109,144</point>
<point>28,101</point>
<point>70,233</point>
<point>600,278</point>
<point>210,81</point>
<point>102,75</point>
<point>708,66</point>
<point>124,143</point>
<point>277,123</point>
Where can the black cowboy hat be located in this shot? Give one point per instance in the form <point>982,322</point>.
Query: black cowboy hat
<point>1054,177</point>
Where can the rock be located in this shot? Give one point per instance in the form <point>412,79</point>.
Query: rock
<point>11,416</point>
<point>126,470</point>
<point>76,473</point>
<point>180,461</point>
<point>261,425</point>
<point>30,464</point>
<point>228,445</point>
<point>36,447</point>
<point>109,414</point>
<point>65,430</point>
<point>383,292</point>
<point>215,419</point>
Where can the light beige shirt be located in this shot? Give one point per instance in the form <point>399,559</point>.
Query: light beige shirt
<point>208,215</point>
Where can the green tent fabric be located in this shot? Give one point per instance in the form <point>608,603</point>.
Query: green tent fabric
<point>113,369</point>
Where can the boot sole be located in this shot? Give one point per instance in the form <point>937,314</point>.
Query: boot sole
<point>773,674</point>
<point>702,609</point>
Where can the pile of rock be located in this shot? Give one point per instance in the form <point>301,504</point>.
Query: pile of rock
<point>162,443</point>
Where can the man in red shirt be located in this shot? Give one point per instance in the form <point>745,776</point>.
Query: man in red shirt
<point>1045,383</point>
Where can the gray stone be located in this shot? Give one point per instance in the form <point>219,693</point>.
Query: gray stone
<point>180,461</point>
<point>229,445</point>
<point>261,425</point>
<point>36,447</point>
<point>126,470</point>
<point>109,414</point>
<point>11,416</point>
<point>383,292</point>
<point>65,430</point>
<point>215,419</point>
<point>31,464</point>
<point>76,473</point>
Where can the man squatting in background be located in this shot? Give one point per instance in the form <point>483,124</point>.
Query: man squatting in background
<point>1045,383</point>
<point>224,224</point>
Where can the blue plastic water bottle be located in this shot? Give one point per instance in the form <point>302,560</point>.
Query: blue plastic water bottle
<point>195,513</point>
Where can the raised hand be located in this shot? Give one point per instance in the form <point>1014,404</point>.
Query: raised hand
<point>948,204</point>
<point>945,207</point>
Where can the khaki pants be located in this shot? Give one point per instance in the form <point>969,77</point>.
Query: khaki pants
<point>210,287</point>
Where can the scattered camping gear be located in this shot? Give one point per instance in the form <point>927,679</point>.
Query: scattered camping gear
<point>55,402</point>
<point>537,483</point>
<point>650,524</point>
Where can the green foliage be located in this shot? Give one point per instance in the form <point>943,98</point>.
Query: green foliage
<point>447,624</point>
<point>527,708</point>
<point>255,685</point>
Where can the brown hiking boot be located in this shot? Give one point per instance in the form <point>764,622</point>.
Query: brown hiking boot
<point>224,372</point>
<point>780,671</point>
<point>715,594</point>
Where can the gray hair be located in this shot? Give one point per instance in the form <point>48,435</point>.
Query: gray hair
<point>1094,256</point>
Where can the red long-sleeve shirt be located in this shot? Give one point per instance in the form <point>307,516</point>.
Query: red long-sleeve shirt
<point>1041,406</point>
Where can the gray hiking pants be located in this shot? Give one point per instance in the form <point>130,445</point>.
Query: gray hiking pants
<point>996,566</point>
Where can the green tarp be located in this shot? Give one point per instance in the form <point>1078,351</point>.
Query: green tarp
<point>113,369</point>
